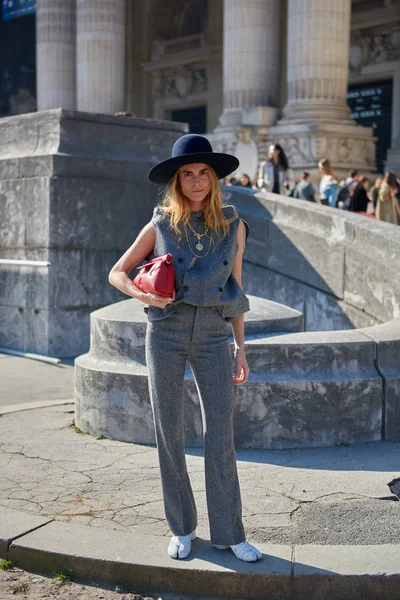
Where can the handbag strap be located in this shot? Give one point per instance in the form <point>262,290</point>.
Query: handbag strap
<point>167,259</point>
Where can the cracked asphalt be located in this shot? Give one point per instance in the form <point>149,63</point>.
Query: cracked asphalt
<point>315,496</point>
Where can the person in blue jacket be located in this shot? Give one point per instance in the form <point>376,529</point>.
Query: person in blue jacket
<point>328,187</point>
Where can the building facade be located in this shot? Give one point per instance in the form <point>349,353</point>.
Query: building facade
<point>304,73</point>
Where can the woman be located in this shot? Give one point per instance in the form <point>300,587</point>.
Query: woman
<point>304,189</point>
<point>275,175</point>
<point>245,181</point>
<point>328,187</point>
<point>375,191</point>
<point>359,199</point>
<point>387,208</point>
<point>206,240</point>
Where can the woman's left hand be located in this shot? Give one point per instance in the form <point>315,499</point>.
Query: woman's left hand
<point>242,368</point>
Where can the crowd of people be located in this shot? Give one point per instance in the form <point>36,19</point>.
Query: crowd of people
<point>356,193</point>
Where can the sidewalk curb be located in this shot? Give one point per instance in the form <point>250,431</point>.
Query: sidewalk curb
<point>308,572</point>
<point>11,408</point>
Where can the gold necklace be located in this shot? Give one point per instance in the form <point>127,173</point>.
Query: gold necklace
<point>197,246</point>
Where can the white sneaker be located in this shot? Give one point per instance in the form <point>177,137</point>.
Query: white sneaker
<point>243,551</point>
<point>180,545</point>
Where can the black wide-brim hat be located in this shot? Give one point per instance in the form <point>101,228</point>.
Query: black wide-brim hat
<point>193,148</point>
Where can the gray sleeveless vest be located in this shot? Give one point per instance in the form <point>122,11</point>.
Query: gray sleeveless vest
<point>204,281</point>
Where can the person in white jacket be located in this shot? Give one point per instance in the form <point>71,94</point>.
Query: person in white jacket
<point>275,175</point>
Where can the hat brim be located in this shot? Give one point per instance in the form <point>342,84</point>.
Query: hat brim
<point>223,165</point>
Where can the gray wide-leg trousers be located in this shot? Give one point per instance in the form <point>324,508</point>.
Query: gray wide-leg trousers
<point>198,335</point>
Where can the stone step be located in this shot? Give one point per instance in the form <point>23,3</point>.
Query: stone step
<point>117,332</point>
<point>296,396</point>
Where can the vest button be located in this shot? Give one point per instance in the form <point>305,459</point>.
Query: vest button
<point>180,260</point>
<point>220,289</point>
<point>185,288</point>
<point>225,262</point>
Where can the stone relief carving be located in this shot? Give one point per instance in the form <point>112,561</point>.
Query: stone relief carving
<point>199,81</point>
<point>304,151</point>
<point>181,81</point>
<point>245,134</point>
<point>374,47</point>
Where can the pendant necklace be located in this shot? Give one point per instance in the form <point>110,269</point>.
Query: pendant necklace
<point>199,245</point>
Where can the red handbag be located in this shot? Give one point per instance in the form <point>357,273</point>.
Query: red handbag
<point>157,276</point>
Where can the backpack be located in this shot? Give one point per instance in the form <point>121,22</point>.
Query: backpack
<point>343,195</point>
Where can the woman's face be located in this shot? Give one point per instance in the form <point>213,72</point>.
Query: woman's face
<point>244,180</point>
<point>195,181</point>
<point>274,154</point>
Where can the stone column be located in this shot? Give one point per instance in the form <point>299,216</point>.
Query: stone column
<point>100,47</point>
<point>55,50</point>
<point>316,120</point>
<point>318,59</point>
<point>214,63</point>
<point>250,57</point>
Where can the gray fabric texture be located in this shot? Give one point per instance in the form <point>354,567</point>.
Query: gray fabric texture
<point>204,281</point>
<point>197,334</point>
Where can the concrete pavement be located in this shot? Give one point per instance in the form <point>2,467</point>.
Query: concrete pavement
<point>27,380</point>
<point>324,518</point>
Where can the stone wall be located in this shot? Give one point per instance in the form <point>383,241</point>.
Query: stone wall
<point>73,192</point>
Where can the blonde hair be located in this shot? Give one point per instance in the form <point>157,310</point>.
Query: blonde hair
<point>326,165</point>
<point>176,206</point>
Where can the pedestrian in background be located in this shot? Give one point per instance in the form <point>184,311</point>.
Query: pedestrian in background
<point>304,189</point>
<point>245,181</point>
<point>352,180</point>
<point>387,208</point>
<point>374,192</point>
<point>275,175</point>
<point>231,181</point>
<point>346,188</point>
<point>328,187</point>
<point>359,199</point>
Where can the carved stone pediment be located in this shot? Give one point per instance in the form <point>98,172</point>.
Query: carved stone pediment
<point>181,81</point>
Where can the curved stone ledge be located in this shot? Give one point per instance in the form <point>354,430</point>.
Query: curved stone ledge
<point>117,332</point>
<point>305,390</point>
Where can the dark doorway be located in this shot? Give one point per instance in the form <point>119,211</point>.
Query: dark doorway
<point>196,117</point>
<point>17,64</point>
<point>371,106</point>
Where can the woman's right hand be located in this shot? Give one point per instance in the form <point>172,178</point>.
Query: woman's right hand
<point>158,301</point>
